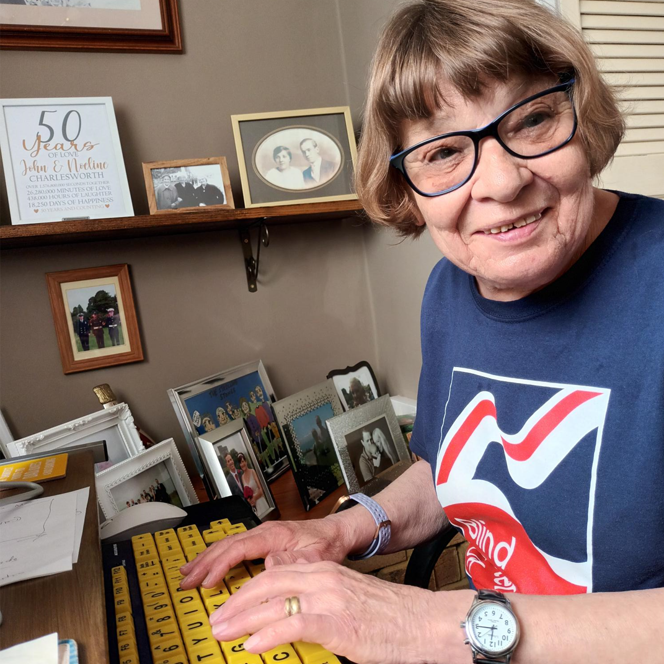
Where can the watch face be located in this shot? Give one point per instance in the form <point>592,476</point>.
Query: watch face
<point>492,628</point>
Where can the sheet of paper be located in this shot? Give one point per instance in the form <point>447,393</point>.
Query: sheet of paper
<point>37,537</point>
<point>43,650</point>
<point>81,506</point>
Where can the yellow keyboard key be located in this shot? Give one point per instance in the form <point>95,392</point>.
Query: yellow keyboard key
<point>307,650</point>
<point>129,659</point>
<point>237,528</point>
<point>217,591</point>
<point>220,523</point>
<point>326,657</point>
<point>148,553</point>
<point>122,604</point>
<point>197,620</point>
<point>121,619</point>
<point>285,653</point>
<point>209,654</point>
<point>234,649</point>
<point>171,659</point>
<point>198,639</point>
<point>161,534</point>
<point>166,649</point>
<point>140,538</point>
<point>235,586</point>
<point>255,567</point>
<point>236,573</point>
<point>126,632</point>
<point>127,647</point>
<point>147,564</point>
<point>245,657</point>
<point>165,617</point>
<point>173,563</point>
<point>120,570</point>
<point>163,633</point>
<point>194,551</point>
<point>151,573</point>
<point>121,590</point>
<point>157,606</point>
<point>212,536</point>
<point>169,549</point>
<point>158,583</point>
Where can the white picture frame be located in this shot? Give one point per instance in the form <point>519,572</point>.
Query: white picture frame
<point>165,453</point>
<point>115,425</point>
<point>78,173</point>
<point>233,437</point>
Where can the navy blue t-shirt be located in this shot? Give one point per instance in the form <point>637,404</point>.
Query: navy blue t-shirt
<point>543,418</point>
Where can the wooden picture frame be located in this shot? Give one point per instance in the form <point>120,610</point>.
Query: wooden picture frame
<point>348,380</point>
<point>152,27</point>
<point>163,459</point>
<point>287,157</point>
<point>191,172</point>
<point>112,338</point>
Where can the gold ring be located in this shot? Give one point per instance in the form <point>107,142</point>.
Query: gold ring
<point>292,606</point>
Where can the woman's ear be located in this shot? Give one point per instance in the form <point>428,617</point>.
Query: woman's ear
<point>419,219</point>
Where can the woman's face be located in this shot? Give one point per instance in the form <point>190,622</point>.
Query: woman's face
<point>555,190</point>
<point>243,464</point>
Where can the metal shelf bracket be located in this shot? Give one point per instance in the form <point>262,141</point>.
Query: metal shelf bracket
<point>250,263</point>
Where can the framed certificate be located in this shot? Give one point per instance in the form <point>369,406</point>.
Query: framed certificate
<point>63,160</point>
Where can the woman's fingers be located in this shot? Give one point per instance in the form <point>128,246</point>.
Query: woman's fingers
<point>313,628</point>
<point>251,620</point>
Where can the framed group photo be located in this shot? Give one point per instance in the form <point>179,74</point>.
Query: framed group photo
<point>63,160</point>
<point>234,470</point>
<point>303,418</point>
<point>241,393</point>
<point>156,475</point>
<point>355,385</point>
<point>296,156</point>
<point>94,317</point>
<point>188,184</point>
<point>370,445</point>
<point>151,26</point>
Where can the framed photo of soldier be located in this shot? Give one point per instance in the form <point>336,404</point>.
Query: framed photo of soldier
<point>189,184</point>
<point>94,317</point>
<point>291,157</point>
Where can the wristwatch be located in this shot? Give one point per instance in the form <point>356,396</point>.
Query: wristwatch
<point>492,629</point>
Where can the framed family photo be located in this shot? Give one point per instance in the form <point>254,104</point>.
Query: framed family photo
<point>241,393</point>
<point>188,184</point>
<point>233,468</point>
<point>303,417</point>
<point>63,160</point>
<point>94,317</point>
<point>355,385</point>
<point>156,475</point>
<point>370,446</point>
<point>296,156</point>
<point>148,26</point>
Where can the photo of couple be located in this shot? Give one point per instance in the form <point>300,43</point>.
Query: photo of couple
<point>371,450</point>
<point>150,486</point>
<point>190,187</point>
<point>298,158</point>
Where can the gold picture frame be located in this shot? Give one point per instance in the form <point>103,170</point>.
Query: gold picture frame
<point>94,317</point>
<point>301,156</point>
<point>215,193</point>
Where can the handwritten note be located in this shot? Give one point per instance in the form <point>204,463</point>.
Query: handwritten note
<point>41,537</point>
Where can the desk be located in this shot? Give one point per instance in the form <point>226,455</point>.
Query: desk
<point>70,603</point>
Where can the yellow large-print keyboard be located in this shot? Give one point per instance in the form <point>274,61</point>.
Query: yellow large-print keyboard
<point>176,621</point>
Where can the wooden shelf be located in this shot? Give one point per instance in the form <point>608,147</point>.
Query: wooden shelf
<point>91,230</point>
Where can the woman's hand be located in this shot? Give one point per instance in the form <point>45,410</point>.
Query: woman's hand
<point>279,542</point>
<point>352,614</point>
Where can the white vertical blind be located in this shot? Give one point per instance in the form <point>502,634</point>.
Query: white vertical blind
<point>627,37</point>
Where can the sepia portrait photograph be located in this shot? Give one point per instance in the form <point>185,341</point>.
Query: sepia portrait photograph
<point>295,156</point>
<point>187,185</point>
<point>372,450</point>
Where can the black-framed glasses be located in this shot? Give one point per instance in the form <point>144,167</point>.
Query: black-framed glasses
<point>536,126</point>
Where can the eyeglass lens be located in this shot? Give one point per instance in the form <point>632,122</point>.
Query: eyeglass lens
<point>529,130</point>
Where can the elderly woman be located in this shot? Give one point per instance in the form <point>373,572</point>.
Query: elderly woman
<point>540,402</point>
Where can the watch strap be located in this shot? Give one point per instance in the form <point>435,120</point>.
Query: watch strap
<point>383,527</point>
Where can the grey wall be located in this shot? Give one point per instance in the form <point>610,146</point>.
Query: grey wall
<point>330,294</point>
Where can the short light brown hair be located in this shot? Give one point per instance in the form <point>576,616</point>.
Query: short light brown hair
<point>470,44</point>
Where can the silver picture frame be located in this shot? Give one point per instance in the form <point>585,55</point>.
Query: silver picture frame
<point>233,438</point>
<point>356,433</point>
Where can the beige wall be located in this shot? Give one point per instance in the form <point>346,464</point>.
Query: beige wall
<point>330,294</point>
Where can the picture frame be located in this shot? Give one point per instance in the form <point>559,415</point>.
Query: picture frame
<point>137,26</point>
<point>232,440</point>
<point>355,385</point>
<point>115,425</point>
<point>94,317</point>
<point>202,405</point>
<point>355,450</point>
<point>130,480</point>
<point>185,189</point>
<point>63,160</point>
<point>290,157</point>
<point>316,468</point>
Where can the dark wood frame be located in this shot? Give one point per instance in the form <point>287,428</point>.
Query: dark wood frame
<point>62,322</point>
<point>356,367</point>
<point>51,38</point>
<point>149,166</point>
